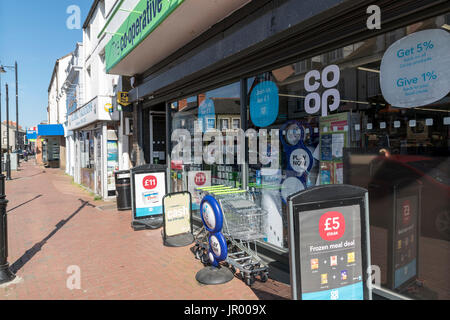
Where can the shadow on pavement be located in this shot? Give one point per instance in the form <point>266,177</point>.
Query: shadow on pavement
<point>30,176</point>
<point>264,295</point>
<point>38,196</point>
<point>30,253</point>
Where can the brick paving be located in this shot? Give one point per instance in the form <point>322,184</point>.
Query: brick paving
<point>54,224</point>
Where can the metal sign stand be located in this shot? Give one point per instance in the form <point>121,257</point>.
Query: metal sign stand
<point>214,275</point>
<point>329,243</point>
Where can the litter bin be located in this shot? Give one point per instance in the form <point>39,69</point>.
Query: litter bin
<point>123,189</point>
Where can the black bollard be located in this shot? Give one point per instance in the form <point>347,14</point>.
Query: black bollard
<point>6,275</point>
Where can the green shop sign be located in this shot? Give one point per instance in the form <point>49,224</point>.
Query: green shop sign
<point>145,17</point>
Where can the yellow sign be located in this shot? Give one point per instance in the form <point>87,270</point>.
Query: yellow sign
<point>122,98</point>
<point>177,213</point>
<point>108,107</point>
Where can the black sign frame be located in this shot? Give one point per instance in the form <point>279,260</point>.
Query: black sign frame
<point>144,169</point>
<point>350,196</point>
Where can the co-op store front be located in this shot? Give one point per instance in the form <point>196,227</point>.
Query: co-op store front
<point>340,103</point>
<point>94,145</point>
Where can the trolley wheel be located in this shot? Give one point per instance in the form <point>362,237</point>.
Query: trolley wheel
<point>198,253</point>
<point>204,258</point>
<point>249,280</point>
<point>233,269</point>
<point>264,276</point>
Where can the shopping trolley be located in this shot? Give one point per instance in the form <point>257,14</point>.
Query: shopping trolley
<point>243,223</point>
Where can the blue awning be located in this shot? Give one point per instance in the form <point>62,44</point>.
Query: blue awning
<point>50,130</point>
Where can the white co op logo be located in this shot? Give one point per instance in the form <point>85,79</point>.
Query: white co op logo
<point>313,107</point>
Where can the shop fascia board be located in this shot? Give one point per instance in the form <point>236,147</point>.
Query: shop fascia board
<point>182,26</point>
<point>91,112</point>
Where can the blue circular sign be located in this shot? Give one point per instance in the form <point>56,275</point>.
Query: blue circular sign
<point>218,246</point>
<point>211,214</point>
<point>264,104</point>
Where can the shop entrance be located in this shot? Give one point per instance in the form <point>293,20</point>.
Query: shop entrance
<point>155,140</point>
<point>98,162</point>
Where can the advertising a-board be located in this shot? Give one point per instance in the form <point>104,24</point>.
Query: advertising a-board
<point>329,243</point>
<point>330,252</point>
<point>150,189</point>
<point>177,214</point>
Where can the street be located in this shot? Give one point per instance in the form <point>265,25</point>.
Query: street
<point>55,227</point>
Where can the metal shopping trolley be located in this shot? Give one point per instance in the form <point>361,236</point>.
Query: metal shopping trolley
<point>243,223</point>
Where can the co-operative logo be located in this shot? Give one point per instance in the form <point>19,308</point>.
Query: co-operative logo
<point>322,101</point>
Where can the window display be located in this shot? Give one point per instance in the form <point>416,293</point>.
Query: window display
<point>205,112</point>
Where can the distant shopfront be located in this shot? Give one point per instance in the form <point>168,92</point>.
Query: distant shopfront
<point>358,110</point>
<point>50,145</point>
<point>94,134</point>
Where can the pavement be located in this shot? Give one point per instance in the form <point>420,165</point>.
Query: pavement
<point>63,245</point>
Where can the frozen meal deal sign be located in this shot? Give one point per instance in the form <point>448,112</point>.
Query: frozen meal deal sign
<point>415,70</point>
<point>150,188</point>
<point>330,254</point>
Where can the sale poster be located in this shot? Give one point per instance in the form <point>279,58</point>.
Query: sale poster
<point>150,188</point>
<point>331,254</point>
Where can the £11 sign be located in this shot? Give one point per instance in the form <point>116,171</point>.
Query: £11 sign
<point>314,102</point>
<point>332,226</point>
<point>150,182</point>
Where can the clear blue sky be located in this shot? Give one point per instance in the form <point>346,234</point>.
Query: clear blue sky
<point>34,34</point>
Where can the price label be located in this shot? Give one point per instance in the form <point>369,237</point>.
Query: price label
<point>332,226</point>
<point>149,182</point>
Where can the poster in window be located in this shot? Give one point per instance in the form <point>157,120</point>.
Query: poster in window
<point>414,70</point>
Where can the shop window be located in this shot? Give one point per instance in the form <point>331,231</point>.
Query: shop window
<point>209,111</point>
<point>339,122</point>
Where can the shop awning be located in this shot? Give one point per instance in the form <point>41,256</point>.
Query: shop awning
<point>155,29</point>
<point>50,130</point>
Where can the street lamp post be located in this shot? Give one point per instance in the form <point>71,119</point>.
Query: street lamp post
<point>1,127</point>
<point>6,275</point>
<point>2,70</point>
<point>17,115</point>
<point>8,159</point>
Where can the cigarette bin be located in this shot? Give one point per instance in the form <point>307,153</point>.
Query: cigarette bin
<point>123,189</point>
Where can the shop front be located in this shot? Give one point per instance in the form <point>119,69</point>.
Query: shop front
<point>320,100</point>
<point>50,145</point>
<point>95,145</point>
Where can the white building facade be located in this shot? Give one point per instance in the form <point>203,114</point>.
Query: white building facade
<point>93,121</point>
